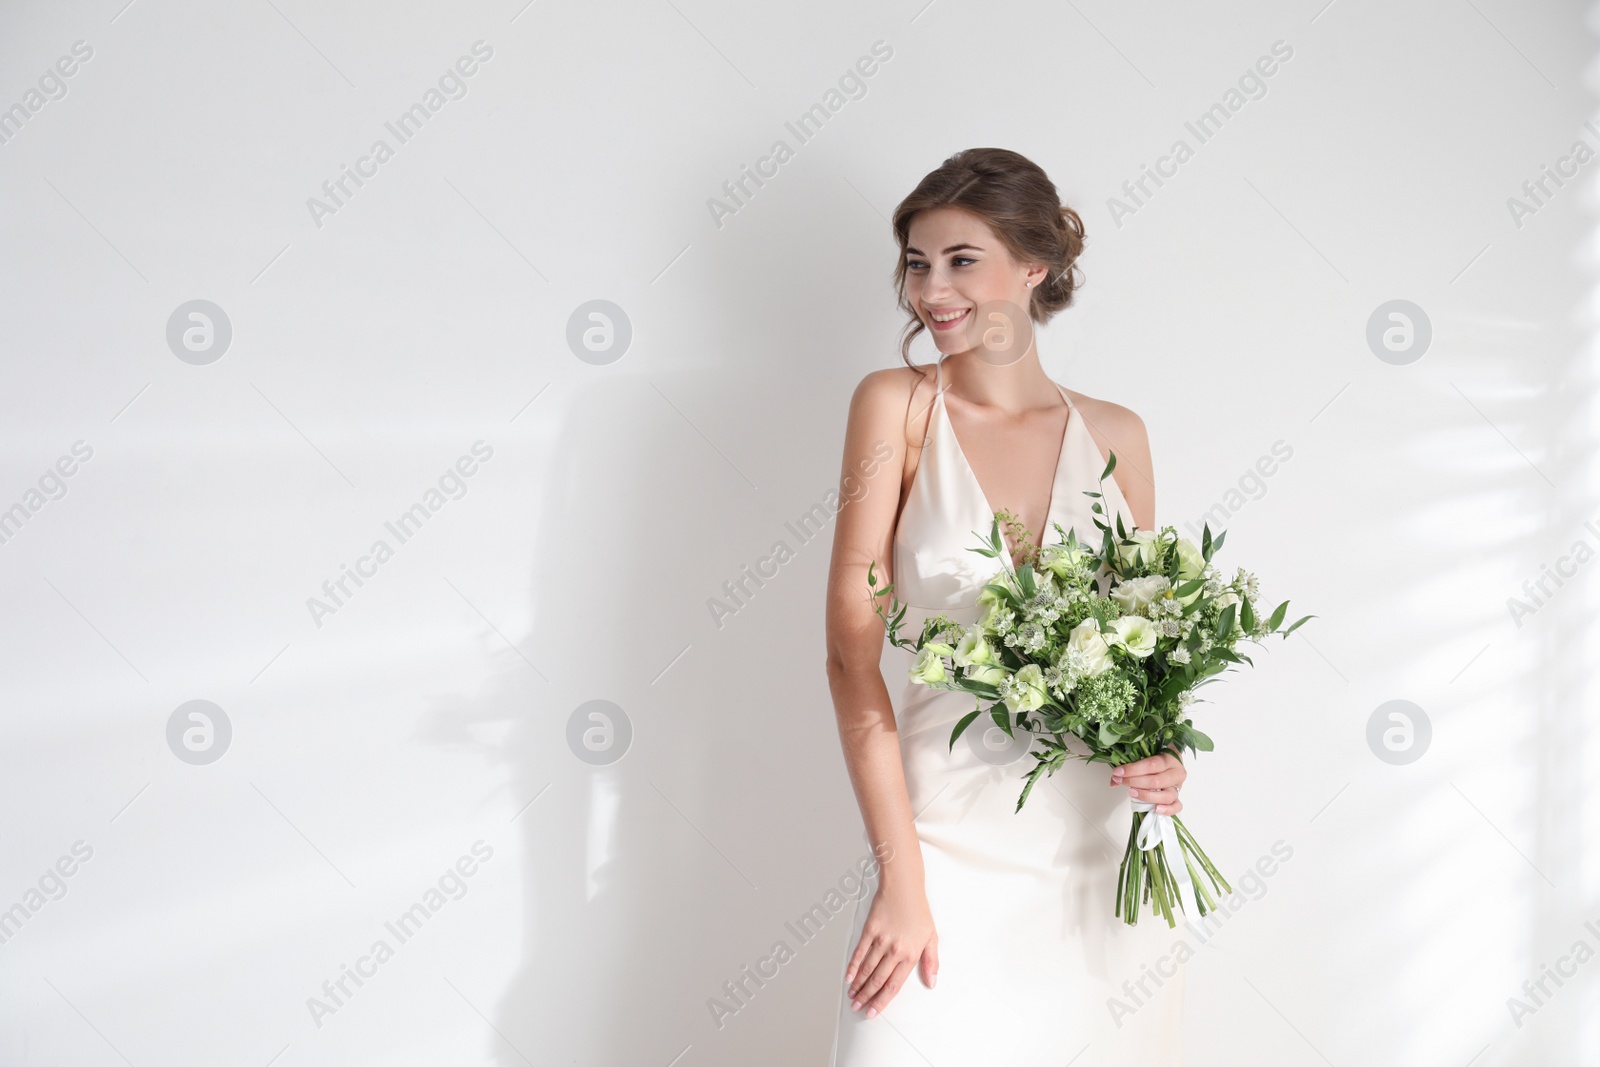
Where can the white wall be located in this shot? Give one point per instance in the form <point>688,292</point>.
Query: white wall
<point>373,346</point>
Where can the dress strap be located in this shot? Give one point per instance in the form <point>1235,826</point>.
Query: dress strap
<point>1063,391</point>
<point>938,395</point>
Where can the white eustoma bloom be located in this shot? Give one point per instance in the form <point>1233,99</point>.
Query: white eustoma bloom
<point>1191,564</point>
<point>1135,595</point>
<point>929,667</point>
<point>974,649</point>
<point>988,672</point>
<point>1026,691</point>
<point>1135,633</point>
<point>1063,560</point>
<point>1146,548</point>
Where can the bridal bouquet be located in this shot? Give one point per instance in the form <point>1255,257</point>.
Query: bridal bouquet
<point>1108,645</point>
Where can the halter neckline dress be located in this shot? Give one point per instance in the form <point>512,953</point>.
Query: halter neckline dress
<point>1034,966</point>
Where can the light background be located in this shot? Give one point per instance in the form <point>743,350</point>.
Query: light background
<point>431,710</point>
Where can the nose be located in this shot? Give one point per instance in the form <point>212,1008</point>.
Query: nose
<point>936,286</point>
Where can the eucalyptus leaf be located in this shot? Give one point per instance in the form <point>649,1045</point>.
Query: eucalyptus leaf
<point>1225,620</point>
<point>961,725</point>
<point>1000,719</point>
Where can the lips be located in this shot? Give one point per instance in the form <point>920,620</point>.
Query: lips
<point>954,323</point>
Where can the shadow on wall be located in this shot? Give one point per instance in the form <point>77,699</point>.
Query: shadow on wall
<point>652,882</point>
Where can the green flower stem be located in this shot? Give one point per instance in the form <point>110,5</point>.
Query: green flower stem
<point>1202,896</point>
<point>1129,878</point>
<point>1187,840</point>
<point>1149,877</point>
<point>1160,880</point>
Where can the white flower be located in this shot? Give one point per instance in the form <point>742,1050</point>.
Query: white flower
<point>974,649</point>
<point>1135,633</point>
<point>1135,595</point>
<point>1191,564</point>
<point>1026,691</point>
<point>988,672</point>
<point>1063,560</point>
<point>1146,548</point>
<point>1031,636</point>
<point>1057,680</point>
<point>1088,647</point>
<point>1045,603</point>
<point>992,603</point>
<point>929,667</point>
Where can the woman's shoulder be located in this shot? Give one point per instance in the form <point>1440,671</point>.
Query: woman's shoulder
<point>1118,429</point>
<point>895,382</point>
<point>1107,417</point>
<point>899,396</point>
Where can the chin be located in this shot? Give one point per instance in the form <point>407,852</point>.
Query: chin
<point>950,342</point>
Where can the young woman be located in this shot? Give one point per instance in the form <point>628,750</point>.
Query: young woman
<point>1011,914</point>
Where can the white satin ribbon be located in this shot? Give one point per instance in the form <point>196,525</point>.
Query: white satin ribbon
<point>1158,829</point>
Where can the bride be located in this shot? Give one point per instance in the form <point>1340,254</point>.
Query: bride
<point>1020,905</point>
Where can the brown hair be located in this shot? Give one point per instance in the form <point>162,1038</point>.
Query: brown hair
<point>1018,200</point>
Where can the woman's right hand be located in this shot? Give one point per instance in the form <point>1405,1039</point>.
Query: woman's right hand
<point>898,935</point>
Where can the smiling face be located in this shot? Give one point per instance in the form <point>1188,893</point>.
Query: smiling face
<point>966,287</point>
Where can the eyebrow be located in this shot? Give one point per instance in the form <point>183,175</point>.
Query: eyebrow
<point>947,251</point>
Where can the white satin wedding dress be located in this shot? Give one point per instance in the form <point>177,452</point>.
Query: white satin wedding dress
<point>1034,967</point>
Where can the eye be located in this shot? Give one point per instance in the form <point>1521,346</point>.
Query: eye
<point>963,259</point>
<point>915,265</point>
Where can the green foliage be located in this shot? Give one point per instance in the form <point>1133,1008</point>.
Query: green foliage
<point>1121,700</point>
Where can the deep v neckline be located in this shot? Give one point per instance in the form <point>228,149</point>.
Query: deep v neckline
<point>972,474</point>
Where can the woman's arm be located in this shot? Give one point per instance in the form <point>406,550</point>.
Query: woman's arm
<point>863,529</point>
<point>1135,474</point>
<point>899,930</point>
